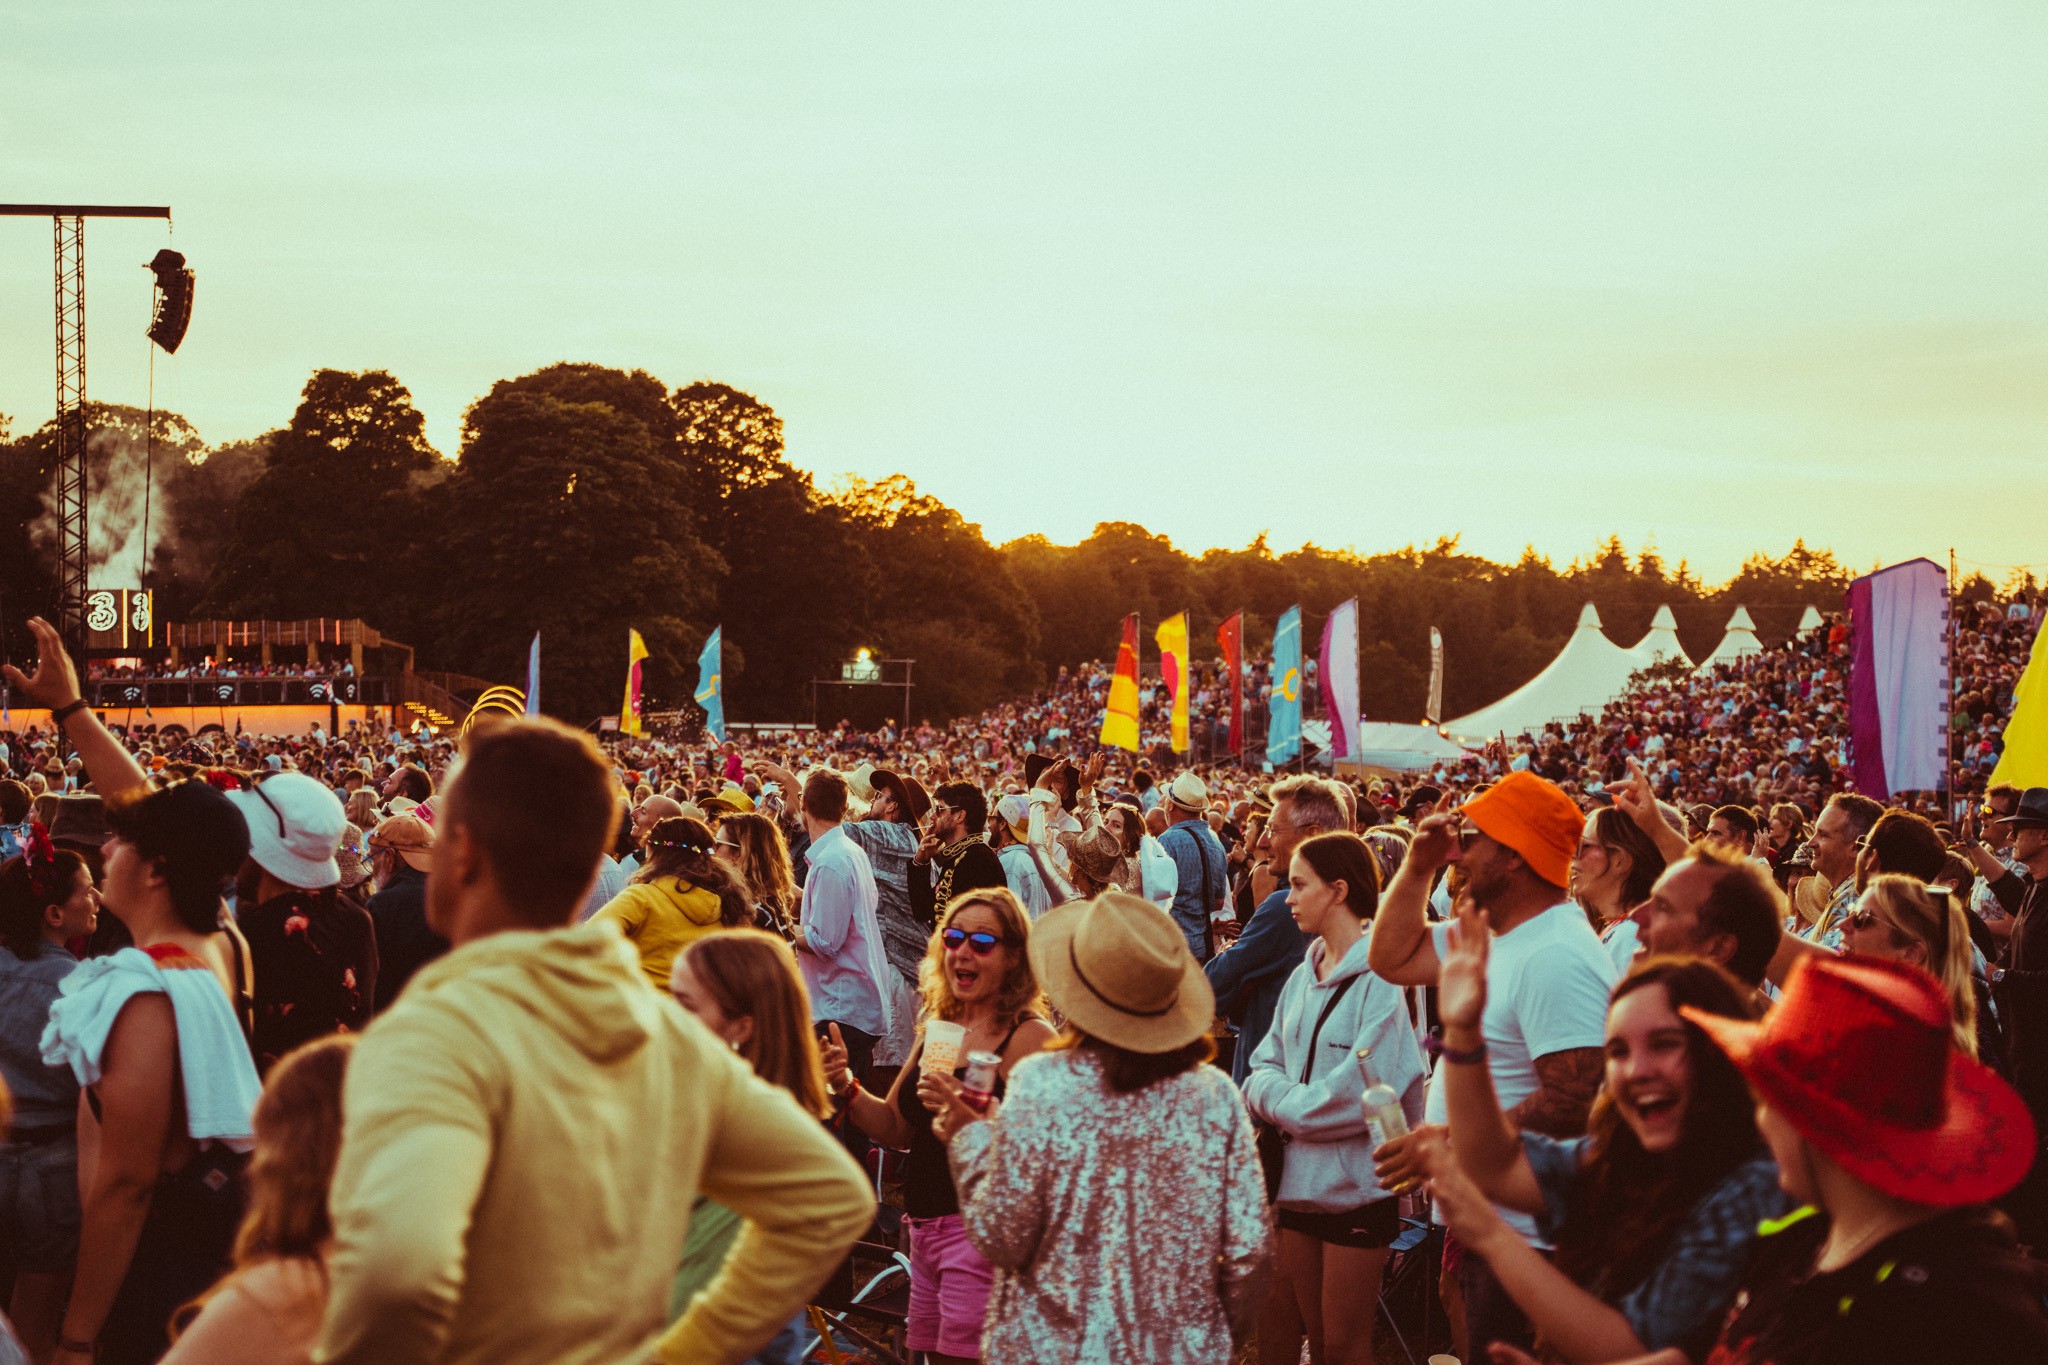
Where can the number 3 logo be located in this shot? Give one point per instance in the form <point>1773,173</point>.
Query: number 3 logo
<point>100,613</point>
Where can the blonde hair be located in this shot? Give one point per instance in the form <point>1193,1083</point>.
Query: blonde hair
<point>1017,998</point>
<point>761,858</point>
<point>753,975</point>
<point>362,808</point>
<point>1914,912</point>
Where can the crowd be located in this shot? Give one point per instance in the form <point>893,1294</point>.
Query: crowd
<point>393,1049</point>
<point>218,668</point>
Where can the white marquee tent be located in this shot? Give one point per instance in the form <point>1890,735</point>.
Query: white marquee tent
<point>1739,643</point>
<point>1661,643</point>
<point>1590,671</point>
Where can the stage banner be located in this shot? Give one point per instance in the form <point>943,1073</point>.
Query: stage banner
<point>1172,636</point>
<point>1435,714</point>
<point>1230,637</point>
<point>1283,707</point>
<point>1898,679</point>
<point>629,714</point>
<point>533,676</point>
<point>1120,717</point>
<point>710,692</point>
<point>1337,677</point>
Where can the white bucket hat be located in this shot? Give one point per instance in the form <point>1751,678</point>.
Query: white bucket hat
<point>295,828</point>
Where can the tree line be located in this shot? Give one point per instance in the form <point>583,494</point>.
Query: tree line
<point>585,499</point>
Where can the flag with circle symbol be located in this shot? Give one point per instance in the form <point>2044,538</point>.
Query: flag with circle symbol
<point>1283,707</point>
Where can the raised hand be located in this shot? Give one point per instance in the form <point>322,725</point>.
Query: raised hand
<point>55,681</point>
<point>1461,981</point>
<point>833,1056</point>
<point>1436,837</point>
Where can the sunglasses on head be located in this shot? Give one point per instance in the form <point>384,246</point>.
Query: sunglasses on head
<point>983,943</point>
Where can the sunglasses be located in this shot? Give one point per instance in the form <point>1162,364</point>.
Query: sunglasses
<point>983,943</point>
<point>1860,919</point>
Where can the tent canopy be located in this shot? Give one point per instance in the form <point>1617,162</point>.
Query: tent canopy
<point>1590,671</point>
<point>1739,643</point>
<point>1661,643</point>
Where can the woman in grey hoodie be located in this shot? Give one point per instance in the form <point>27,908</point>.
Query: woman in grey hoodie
<point>1336,1222</point>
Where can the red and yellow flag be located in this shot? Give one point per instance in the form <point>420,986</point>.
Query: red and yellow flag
<point>1120,719</point>
<point>1173,662</point>
<point>1230,638</point>
<point>629,714</point>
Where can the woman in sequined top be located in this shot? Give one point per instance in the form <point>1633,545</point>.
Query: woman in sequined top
<point>1116,1188</point>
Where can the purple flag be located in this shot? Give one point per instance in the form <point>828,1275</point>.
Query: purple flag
<point>1337,678</point>
<point>1898,678</point>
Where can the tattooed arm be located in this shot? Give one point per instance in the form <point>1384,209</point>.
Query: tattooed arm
<point>1569,1080</point>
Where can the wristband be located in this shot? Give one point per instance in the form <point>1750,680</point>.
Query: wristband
<point>1457,1058</point>
<point>84,1348</point>
<point>66,712</point>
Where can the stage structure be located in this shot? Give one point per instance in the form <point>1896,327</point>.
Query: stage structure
<point>167,329</point>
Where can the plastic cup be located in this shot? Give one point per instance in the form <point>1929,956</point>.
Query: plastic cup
<point>942,1044</point>
<point>1443,1360</point>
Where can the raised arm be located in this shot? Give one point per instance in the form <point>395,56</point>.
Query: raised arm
<point>1401,951</point>
<point>54,685</point>
<point>1639,803</point>
<point>1489,1147</point>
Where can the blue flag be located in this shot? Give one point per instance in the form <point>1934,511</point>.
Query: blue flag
<point>710,694</point>
<point>1283,711</point>
<point>533,677</point>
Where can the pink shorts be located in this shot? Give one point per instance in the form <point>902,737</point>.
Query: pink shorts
<point>949,1287</point>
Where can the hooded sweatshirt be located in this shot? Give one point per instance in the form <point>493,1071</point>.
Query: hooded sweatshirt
<point>1329,1149</point>
<point>526,1130</point>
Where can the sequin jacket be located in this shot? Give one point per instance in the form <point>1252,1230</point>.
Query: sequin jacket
<point>1122,1227</point>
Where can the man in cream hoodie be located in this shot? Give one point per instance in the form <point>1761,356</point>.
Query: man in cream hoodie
<point>527,1127</point>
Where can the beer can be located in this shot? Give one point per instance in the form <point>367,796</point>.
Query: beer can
<point>978,1086</point>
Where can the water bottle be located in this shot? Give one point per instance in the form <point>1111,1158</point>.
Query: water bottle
<point>1382,1106</point>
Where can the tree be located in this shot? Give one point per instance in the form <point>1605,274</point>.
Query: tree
<point>334,523</point>
<point>564,517</point>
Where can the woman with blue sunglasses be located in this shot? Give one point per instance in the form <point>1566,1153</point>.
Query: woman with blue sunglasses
<point>977,974</point>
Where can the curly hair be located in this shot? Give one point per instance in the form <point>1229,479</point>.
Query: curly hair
<point>1018,997</point>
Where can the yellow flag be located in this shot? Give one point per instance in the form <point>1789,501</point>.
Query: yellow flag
<point>629,714</point>
<point>1173,662</point>
<point>2025,760</point>
<point>1120,717</point>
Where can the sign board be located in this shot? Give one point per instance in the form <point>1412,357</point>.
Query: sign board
<point>120,618</point>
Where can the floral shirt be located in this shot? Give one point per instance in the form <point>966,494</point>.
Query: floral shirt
<point>315,959</point>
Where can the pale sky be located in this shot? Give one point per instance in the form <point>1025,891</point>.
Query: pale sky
<point>1713,274</point>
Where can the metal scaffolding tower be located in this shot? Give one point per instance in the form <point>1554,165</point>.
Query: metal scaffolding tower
<point>69,221</point>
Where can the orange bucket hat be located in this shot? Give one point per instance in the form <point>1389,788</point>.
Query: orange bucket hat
<point>1534,818</point>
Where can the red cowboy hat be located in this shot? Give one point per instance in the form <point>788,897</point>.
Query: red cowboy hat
<point>1859,1057</point>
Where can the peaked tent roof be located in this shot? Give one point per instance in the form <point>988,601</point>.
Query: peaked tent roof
<point>1590,671</point>
<point>1661,642</point>
<point>1740,642</point>
<point>1808,620</point>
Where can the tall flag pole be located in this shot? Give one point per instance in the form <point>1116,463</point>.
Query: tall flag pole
<point>1283,708</point>
<point>710,692</point>
<point>1120,717</point>
<point>533,676</point>
<point>629,714</point>
<point>1172,636</point>
<point>1337,677</point>
<point>1230,635</point>
<point>1435,712</point>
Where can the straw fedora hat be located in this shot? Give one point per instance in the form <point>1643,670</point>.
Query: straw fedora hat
<point>1119,969</point>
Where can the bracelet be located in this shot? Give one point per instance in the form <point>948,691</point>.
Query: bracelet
<point>64,1343</point>
<point>64,713</point>
<point>1457,1058</point>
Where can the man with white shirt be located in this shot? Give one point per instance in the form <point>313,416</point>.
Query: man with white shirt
<point>1547,979</point>
<point>839,941</point>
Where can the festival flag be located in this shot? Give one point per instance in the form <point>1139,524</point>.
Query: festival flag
<point>2025,760</point>
<point>1898,679</point>
<point>1120,718</point>
<point>1337,678</point>
<point>533,676</point>
<point>1283,708</point>
<point>629,714</point>
<point>1172,636</point>
<point>710,691</point>
<point>1435,714</point>
<point>1230,635</point>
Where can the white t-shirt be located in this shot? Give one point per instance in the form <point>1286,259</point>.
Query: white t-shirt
<point>1620,941</point>
<point>1547,983</point>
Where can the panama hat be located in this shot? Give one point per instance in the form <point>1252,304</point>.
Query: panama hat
<point>1860,1058</point>
<point>1119,969</point>
<point>861,781</point>
<point>1189,792</point>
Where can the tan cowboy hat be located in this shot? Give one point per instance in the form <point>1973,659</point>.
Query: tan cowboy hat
<point>410,837</point>
<point>1810,897</point>
<point>1095,851</point>
<point>1119,969</point>
<point>861,782</point>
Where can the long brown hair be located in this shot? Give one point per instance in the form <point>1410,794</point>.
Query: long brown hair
<point>1630,1201</point>
<point>753,975</point>
<point>761,858</point>
<point>680,847</point>
<point>1124,1071</point>
<point>1017,998</point>
<point>298,1137</point>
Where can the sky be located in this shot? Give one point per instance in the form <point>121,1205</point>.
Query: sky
<point>1712,276</point>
